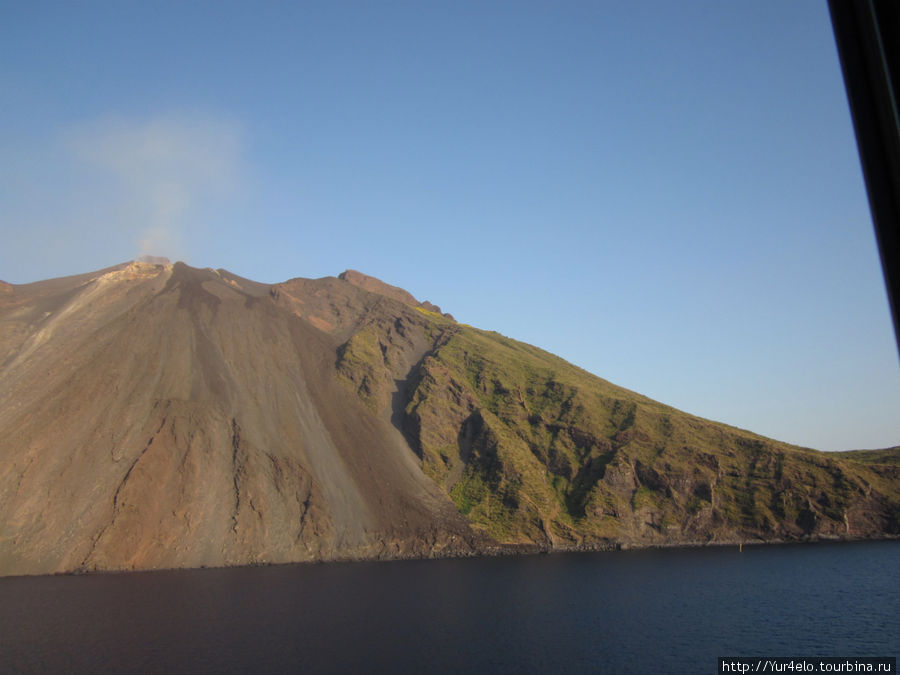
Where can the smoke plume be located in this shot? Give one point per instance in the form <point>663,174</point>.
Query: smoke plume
<point>166,169</point>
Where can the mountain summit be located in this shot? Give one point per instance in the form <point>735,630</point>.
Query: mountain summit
<point>156,415</point>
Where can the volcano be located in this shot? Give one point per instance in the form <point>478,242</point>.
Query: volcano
<point>161,416</point>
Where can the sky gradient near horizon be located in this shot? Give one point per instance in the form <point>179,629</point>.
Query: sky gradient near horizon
<point>666,194</point>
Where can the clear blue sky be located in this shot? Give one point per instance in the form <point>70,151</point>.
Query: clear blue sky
<point>665,193</point>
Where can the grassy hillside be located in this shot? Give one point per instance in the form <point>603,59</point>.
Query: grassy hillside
<point>887,456</point>
<point>534,450</point>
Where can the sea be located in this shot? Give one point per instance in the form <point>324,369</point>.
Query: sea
<point>636,611</point>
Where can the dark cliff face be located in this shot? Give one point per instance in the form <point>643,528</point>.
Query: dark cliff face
<point>156,415</point>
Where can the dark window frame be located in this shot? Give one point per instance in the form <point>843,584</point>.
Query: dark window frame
<point>867,33</point>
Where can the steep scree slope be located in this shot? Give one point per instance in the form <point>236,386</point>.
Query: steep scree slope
<point>164,416</point>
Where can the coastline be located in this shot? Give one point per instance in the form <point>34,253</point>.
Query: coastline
<point>507,550</point>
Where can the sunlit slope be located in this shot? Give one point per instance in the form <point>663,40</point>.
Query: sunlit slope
<point>164,416</point>
<point>534,450</point>
<point>156,415</point>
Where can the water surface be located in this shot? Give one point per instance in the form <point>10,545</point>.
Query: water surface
<point>672,610</point>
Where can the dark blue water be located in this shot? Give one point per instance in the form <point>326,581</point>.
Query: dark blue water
<point>619,612</point>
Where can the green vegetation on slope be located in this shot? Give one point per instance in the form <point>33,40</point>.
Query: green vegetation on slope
<point>534,450</point>
<point>887,456</point>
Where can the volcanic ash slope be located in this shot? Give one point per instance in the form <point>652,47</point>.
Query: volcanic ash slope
<point>164,416</point>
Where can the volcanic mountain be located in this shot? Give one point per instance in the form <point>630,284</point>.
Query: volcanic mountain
<point>156,415</point>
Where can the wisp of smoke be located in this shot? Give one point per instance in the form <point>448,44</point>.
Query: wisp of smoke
<point>167,167</point>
